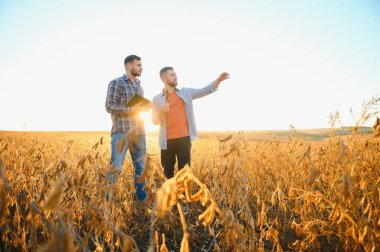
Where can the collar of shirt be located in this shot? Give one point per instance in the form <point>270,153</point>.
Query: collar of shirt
<point>166,93</point>
<point>126,78</point>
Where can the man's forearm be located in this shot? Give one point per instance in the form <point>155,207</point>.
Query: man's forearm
<point>221,78</point>
<point>160,116</point>
<point>117,110</point>
<point>217,83</point>
<point>157,116</point>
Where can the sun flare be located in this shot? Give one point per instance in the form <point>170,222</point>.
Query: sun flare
<point>146,115</point>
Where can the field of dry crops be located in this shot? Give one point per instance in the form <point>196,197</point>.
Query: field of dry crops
<point>238,196</point>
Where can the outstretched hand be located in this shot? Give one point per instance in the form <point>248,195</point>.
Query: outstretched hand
<point>222,77</point>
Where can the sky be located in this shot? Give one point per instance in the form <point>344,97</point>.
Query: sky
<point>291,62</point>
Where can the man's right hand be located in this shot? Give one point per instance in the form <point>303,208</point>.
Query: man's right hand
<point>165,108</point>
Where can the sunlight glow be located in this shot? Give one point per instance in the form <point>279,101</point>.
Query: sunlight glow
<point>147,117</point>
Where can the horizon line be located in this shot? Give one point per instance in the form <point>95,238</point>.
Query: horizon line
<point>148,131</point>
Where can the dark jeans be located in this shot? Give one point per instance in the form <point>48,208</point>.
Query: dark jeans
<point>180,148</point>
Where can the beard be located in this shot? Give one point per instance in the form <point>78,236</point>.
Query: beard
<point>135,73</point>
<point>173,84</point>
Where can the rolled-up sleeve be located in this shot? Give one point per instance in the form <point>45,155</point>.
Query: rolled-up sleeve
<point>200,92</point>
<point>113,104</point>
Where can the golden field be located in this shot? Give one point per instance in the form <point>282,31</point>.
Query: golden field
<point>239,195</point>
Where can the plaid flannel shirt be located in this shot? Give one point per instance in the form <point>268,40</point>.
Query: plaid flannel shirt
<point>120,91</point>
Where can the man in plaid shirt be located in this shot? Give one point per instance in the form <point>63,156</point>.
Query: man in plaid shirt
<point>127,127</point>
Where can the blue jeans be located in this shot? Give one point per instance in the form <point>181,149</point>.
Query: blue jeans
<point>138,160</point>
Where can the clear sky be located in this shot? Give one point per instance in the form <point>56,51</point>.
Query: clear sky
<point>291,62</point>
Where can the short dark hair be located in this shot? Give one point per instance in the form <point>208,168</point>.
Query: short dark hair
<point>164,70</point>
<point>131,58</point>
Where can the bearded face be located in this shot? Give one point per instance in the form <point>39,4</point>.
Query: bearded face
<point>135,68</point>
<point>171,78</point>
